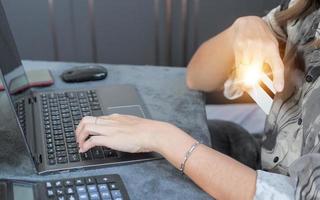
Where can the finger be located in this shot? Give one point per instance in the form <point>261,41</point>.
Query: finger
<point>246,56</point>
<point>92,129</point>
<point>257,60</point>
<point>237,58</point>
<point>114,116</point>
<point>243,62</point>
<point>277,67</point>
<point>118,117</point>
<point>238,64</point>
<point>92,142</point>
<point>85,120</point>
<point>106,121</point>
<point>92,122</point>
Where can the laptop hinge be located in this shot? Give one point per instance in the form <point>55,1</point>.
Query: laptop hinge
<point>32,100</point>
<point>35,160</point>
<point>38,159</point>
<point>30,134</point>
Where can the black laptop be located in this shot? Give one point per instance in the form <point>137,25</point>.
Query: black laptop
<point>48,119</point>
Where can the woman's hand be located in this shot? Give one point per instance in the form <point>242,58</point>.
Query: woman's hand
<point>255,45</point>
<point>248,42</point>
<point>123,133</point>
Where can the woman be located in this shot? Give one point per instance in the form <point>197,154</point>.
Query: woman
<point>292,139</point>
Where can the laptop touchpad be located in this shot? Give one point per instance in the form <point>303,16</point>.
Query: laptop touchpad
<point>135,110</point>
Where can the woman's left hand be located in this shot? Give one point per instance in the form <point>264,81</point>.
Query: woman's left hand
<point>122,132</point>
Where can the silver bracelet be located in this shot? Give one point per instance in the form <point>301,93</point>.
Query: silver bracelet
<point>188,154</point>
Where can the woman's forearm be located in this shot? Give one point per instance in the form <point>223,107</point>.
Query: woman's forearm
<point>219,175</point>
<point>212,63</point>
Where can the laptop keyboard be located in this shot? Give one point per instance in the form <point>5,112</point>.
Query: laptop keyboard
<point>62,113</point>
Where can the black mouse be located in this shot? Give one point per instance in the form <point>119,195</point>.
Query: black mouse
<point>85,73</point>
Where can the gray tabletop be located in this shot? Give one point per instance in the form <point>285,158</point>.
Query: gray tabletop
<point>164,92</point>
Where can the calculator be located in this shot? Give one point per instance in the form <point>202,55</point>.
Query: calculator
<point>107,187</point>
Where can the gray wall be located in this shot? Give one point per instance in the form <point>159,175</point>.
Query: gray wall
<point>154,32</point>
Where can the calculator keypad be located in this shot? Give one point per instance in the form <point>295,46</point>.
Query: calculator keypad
<point>89,188</point>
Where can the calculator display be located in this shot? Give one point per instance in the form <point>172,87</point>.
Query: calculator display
<point>21,191</point>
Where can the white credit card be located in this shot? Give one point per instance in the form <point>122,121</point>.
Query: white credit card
<point>261,97</point>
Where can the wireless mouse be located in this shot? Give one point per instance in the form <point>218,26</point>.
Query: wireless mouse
<point>84,73</point>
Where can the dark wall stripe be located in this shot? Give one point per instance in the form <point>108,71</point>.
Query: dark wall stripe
<point>53,29</point>
<point>184,30</point>
<point>93,30</point>
<point>168,21</point>
<point>156,31</point>
<point>195,21</point>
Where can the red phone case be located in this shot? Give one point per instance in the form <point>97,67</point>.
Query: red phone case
<point>29,85</point>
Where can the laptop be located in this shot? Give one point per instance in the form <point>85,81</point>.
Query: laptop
<point>47,120</point>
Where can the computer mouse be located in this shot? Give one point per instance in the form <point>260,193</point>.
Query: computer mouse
<point>84,73</point>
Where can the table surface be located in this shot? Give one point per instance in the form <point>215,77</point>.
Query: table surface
<point>164,92</point>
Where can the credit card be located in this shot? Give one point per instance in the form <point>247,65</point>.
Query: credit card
<point>263,93</point>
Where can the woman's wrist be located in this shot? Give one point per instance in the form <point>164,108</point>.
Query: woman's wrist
<point>172,143</point>
<point>156,141</point>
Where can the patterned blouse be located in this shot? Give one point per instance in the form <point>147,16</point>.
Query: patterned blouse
<point>290,156</point>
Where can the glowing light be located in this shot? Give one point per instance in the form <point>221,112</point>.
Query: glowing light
<point>252,77</point>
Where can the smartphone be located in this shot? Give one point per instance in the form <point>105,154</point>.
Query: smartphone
<point>31,78</point>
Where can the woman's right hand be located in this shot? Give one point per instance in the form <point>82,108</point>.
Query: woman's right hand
<point>254,45</point>
<point>247,42</point>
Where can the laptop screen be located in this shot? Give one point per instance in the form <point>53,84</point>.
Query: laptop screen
<point>11,72</point>
<point>10,62</point>
<point>11,134</point>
